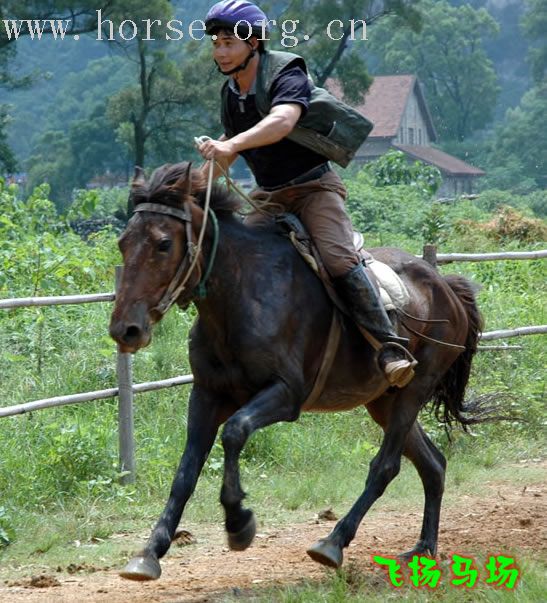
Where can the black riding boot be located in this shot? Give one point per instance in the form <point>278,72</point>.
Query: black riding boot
<point>366,309</point>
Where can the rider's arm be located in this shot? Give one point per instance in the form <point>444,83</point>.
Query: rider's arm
<point>275,126</point>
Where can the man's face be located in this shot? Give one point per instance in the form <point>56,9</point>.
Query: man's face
<point>229,51</point>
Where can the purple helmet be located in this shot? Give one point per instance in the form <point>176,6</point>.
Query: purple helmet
<point>227,13</point>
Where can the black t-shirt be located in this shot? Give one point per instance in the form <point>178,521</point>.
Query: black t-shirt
<point>275,164</point>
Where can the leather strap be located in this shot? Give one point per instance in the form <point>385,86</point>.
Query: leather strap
<point>158,208</point>
<point>326,363</point>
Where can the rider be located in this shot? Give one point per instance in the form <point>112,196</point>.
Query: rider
<point>297,177</point>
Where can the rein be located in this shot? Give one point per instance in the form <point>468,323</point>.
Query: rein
<point>178,283</point>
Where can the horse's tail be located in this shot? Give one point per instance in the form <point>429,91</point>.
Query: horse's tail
<point>448,397</point>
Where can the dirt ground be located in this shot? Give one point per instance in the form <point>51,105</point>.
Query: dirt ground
<point>508,519</point>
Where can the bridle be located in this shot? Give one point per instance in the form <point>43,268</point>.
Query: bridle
<point>191,258</point>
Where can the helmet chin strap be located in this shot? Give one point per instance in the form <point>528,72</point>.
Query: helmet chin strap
<point>240,67</point>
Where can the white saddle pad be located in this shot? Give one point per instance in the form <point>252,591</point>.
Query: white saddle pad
<point>393,291</point>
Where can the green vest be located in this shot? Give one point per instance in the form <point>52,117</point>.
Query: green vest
<point>330,127</point>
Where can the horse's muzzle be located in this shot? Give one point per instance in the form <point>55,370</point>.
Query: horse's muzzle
<point>131,332</point>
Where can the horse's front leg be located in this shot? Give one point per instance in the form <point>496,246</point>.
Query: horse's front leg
<point>204,417</point>
<point>273,404</point>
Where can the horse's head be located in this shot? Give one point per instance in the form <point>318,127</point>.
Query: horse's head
<point>156,247</point>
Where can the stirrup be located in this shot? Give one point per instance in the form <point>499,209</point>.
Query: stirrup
<point>399,372</point>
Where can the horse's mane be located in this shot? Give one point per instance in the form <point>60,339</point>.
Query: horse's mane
<point>167,185</point>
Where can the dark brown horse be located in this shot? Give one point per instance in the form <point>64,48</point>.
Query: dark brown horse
<point>257,345</point>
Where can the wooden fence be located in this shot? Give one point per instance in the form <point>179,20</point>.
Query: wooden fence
<point>126,388</point>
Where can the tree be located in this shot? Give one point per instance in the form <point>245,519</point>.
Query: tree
<point>7,159</point>
<point>167,96</point>
<point>331,51</point>
<point>80,15</point>
<point>517,153</point>
<point>449,59</point>
<point>69,160</point>
<point>534,24</point>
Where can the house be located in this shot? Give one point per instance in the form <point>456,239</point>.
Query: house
<point>397,107</point>
<point>19,178</point>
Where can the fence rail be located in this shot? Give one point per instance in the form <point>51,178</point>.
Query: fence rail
<point>148,386</point>
<point>61,300</point>
<point>126,388</point>
<point>447,258</point>
<point>502,334</point>
<point>100,394</point>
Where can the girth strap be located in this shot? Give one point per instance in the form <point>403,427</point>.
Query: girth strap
<point>329,353</point>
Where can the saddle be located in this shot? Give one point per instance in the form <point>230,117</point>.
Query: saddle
<point>393,292</point>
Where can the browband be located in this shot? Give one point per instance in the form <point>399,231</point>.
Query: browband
<point>158,208</point>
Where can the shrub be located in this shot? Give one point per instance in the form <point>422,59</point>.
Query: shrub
<point>393,168</point>
<point>508,224</point>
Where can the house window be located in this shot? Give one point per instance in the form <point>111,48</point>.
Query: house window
<point>419,136</point>
<point>410,135</point>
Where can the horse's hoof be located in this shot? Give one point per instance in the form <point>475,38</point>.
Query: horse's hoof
<point>141,569</point>
<point>420,549</point>
<point>239,541</point>
<point>326,553</point>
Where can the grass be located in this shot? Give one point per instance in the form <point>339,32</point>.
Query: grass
<point>353,585</point>
<point>277,497</point>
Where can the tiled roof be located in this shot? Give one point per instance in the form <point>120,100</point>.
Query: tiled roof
<point>445,162</point>
<point>385,103</point>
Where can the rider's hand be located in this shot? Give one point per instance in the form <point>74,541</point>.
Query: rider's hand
<point>214,149</point>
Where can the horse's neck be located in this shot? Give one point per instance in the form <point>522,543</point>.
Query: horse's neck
<point>236,258</point>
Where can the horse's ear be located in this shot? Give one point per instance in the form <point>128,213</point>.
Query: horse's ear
<point>188,177</point>
<point>138,176</point>
<point>190,182</point>
<point>199,181</point>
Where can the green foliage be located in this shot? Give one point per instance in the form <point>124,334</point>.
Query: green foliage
<point>173,96</point>
<point>534,24</point>
<point>535,202</point>
<point>7,158</point>
<point>393,168</point>
<point>6,531</point>
<point>435,225</point>
<point>38,251</point>
<point>392,199</point>
<point>518,151</point>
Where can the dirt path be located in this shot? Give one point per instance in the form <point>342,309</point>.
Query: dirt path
<point>509,519</point>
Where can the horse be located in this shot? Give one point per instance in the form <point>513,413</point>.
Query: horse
<point>257,344</point>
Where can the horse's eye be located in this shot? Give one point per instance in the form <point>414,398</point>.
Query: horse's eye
<point>164,245</point>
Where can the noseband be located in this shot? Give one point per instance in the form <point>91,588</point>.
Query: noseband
<point>182,275</point>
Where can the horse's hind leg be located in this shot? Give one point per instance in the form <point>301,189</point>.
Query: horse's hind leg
<point>430,464</point>
<point>273,404</point>
<point>383,468</point>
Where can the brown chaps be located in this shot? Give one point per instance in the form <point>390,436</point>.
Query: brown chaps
<point>320,205</point>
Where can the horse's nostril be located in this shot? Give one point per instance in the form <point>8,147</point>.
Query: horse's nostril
<point>131,333</point>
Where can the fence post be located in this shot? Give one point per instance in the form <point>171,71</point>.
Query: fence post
<point>125,408</point>
<point>430,255</point>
